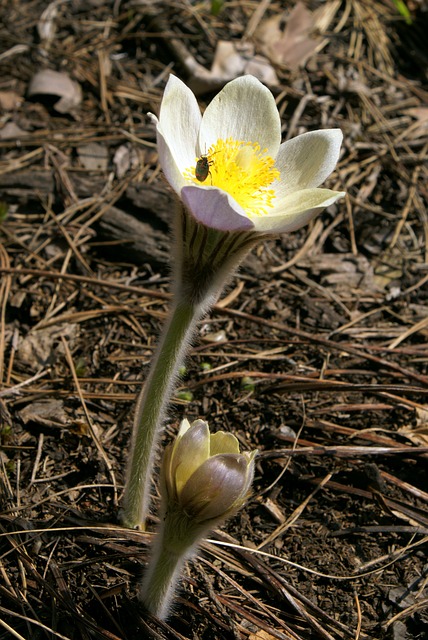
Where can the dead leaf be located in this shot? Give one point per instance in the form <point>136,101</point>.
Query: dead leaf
<point>261,68</point>
<point>399,631</point>
<point>80,428</point>
<point>46,26</point>
<point>420,127</point>
<point>420,113</point>
<point>93,156</point>
<point>261,635</point>
<point>419,434</point>
<point>11,131</point>
<point>124,158</point>
<point>47,413</point>
<point>402,597</point>
<point>217,336</point>
<point>54,83</point>
<point>231,60</point>
<point>388,268</point>
<point>228,63</point>
<point>340,271</point>
<point>9,100</point>
<point>40,347</point>
<point>273,509</point>
<point>16,50</point>
<point>422,417</point>
<point>289,41</point>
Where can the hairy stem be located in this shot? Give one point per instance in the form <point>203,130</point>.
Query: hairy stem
<point>160,581</point>
<point>151,407</point>
<point>174,543</point>
<point>204,260</point>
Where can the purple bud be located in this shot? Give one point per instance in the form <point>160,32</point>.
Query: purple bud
<point>216,487</point>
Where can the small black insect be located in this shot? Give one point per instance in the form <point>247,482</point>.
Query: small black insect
<point>202,168</point>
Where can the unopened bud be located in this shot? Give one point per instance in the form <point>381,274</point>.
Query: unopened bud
<point>205,474</point>
<point>205,479</point>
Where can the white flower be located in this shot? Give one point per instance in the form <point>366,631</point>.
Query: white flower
<point>229,166</point>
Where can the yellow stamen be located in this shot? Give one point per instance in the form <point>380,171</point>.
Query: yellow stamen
<point>241,169</point>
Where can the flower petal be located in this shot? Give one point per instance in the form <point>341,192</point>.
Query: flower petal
<point>177,129</point>
<point>307,160</point>
<point>169,166</point>
<point>245,110</point>
<point>223,442</point>
<point>215,209</point>
<point>214,487</point>
<point>189,452</point>
<point>249,457</point>
<point>297,209</point>
<point>184,426</point>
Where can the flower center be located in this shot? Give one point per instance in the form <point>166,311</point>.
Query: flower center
<point>242,169</point>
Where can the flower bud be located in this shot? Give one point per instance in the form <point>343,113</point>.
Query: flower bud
<point>204,480</point>
<point>205,474</point>
<point>215,487</point>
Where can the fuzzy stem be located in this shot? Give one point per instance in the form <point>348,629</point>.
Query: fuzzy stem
<point>151,406</point>
<point>205,258</point>
<point>174,543</point>
<point>161,580</point>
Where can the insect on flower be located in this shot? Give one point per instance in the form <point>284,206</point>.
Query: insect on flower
<point>257,182</point>
<point>202,169</point>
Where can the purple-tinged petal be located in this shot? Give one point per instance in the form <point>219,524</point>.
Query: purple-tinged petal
<point>214,487</point>
<point>215,209</point>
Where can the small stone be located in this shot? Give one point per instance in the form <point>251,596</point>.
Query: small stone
<point>399,631</point>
